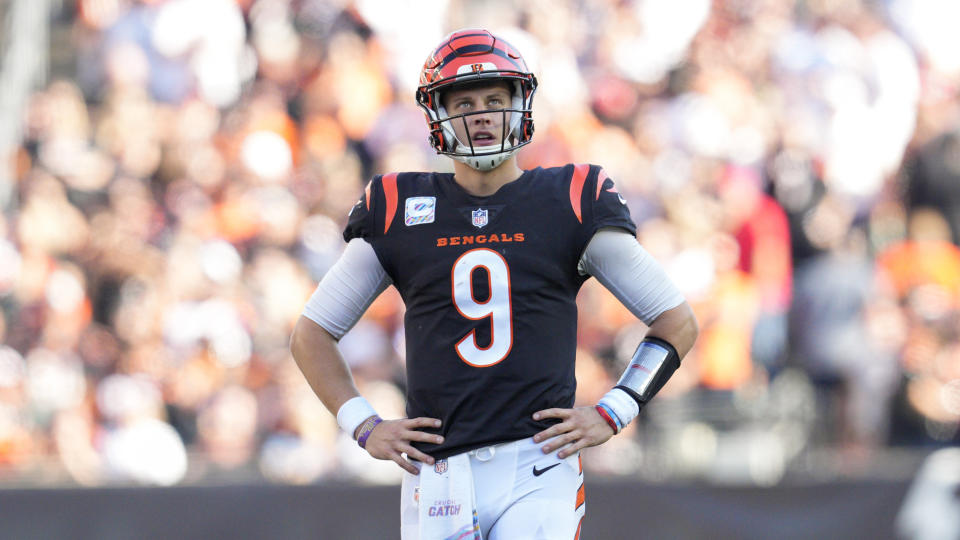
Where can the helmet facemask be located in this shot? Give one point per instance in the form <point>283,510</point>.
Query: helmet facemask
<point>478,156</point>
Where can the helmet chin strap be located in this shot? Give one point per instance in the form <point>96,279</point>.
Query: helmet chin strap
<point>487,162</point>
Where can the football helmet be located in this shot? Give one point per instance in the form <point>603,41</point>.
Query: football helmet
<point>466,57</point>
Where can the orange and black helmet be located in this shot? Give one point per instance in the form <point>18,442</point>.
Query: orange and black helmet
<point>473,56</point>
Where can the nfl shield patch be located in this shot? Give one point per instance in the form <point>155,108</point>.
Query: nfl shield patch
<point>419,210</point>
<point>440,466</point>
<point>480,217</point>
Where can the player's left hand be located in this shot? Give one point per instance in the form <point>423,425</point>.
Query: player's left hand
<point>579,428</point>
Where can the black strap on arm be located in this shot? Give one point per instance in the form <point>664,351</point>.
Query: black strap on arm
<point>652,365</point>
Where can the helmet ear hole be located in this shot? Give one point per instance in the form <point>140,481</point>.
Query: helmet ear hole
<point>527,127</point>
<point>423,98</point>
<point>436,139</point>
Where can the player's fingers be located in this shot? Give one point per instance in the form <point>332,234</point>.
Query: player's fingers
<point>417,455</point>
<point>422,436</point>
<point>552,431</point>
<point>573,449</point>
<point>404,464</point>
<point>551,413</point>
<point>560,441</point>
<point>421,422</point>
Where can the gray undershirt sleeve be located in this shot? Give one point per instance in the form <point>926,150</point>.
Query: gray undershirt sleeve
<point>348,289</point>
<point>621,264</point>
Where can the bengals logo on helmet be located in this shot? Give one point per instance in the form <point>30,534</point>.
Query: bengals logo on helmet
<point>477,68</point>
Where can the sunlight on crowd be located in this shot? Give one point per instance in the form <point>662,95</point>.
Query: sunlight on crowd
<point>186,170</point>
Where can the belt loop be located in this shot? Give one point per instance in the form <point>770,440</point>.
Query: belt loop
<point>486,453</point>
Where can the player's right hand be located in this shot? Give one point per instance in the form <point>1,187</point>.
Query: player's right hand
<point>391,439</point>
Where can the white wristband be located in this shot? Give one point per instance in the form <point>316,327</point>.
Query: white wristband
<point>353,413</point>
<point>622,405</point>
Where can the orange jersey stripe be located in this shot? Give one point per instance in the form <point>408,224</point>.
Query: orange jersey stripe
<point>366,192</point>
<point>579,525</point>
<point>601,178</point>
<point>576,188</point>
<point>390,192</point>
<point>581,496</point>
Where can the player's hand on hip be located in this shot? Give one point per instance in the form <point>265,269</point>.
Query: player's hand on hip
<point>391,439</point>
<point>579,428</point>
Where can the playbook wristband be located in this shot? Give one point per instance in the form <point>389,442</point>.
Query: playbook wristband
<point>367,429</point>
<point>651,366</point>
<point>353,413</point>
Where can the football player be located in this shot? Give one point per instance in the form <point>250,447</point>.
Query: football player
<point>488,261</point>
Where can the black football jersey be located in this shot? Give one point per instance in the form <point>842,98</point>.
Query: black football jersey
<point>490,287</point>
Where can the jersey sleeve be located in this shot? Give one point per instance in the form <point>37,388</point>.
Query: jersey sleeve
<point>347,289</point>
<point>360,223</point>
<point>608,207</point>
<point>631,274</point>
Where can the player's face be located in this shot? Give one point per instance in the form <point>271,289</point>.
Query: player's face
<point>487,128</point>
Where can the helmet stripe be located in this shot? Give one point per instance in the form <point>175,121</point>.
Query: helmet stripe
<point>449,42</point>
<point>465,51</point>
<point>509,47</point>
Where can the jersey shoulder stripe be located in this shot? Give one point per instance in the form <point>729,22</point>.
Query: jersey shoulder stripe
<point>389,182</point>
<point>580,172</point>
<point>601,178</point>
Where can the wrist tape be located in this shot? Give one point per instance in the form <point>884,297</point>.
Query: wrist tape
<point>353,413</point>
<point>621,405</point>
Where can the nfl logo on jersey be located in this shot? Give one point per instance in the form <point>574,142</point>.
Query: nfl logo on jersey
<point>479,217</point>
<point>440,467</point>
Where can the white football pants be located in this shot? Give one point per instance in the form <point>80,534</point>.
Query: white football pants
<point>520,491</point>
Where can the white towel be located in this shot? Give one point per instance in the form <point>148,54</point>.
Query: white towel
<point>448,506</point>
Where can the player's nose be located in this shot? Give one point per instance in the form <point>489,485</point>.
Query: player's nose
<point>483,119</point>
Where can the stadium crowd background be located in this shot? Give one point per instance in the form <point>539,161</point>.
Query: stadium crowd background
<point>186,168</point>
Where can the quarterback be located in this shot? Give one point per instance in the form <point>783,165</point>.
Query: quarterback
<point>488,261</point>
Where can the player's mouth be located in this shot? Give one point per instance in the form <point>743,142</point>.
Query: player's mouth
<point>483,138</point>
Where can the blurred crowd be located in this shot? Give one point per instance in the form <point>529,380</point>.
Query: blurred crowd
<point>185,174</point>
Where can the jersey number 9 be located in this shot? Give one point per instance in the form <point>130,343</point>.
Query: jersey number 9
<point>497,306</point>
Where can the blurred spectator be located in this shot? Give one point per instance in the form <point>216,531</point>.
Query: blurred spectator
<point>933,179</point>
<point>846,333</point>
<point>924,272</point>
<point>759,225</point>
